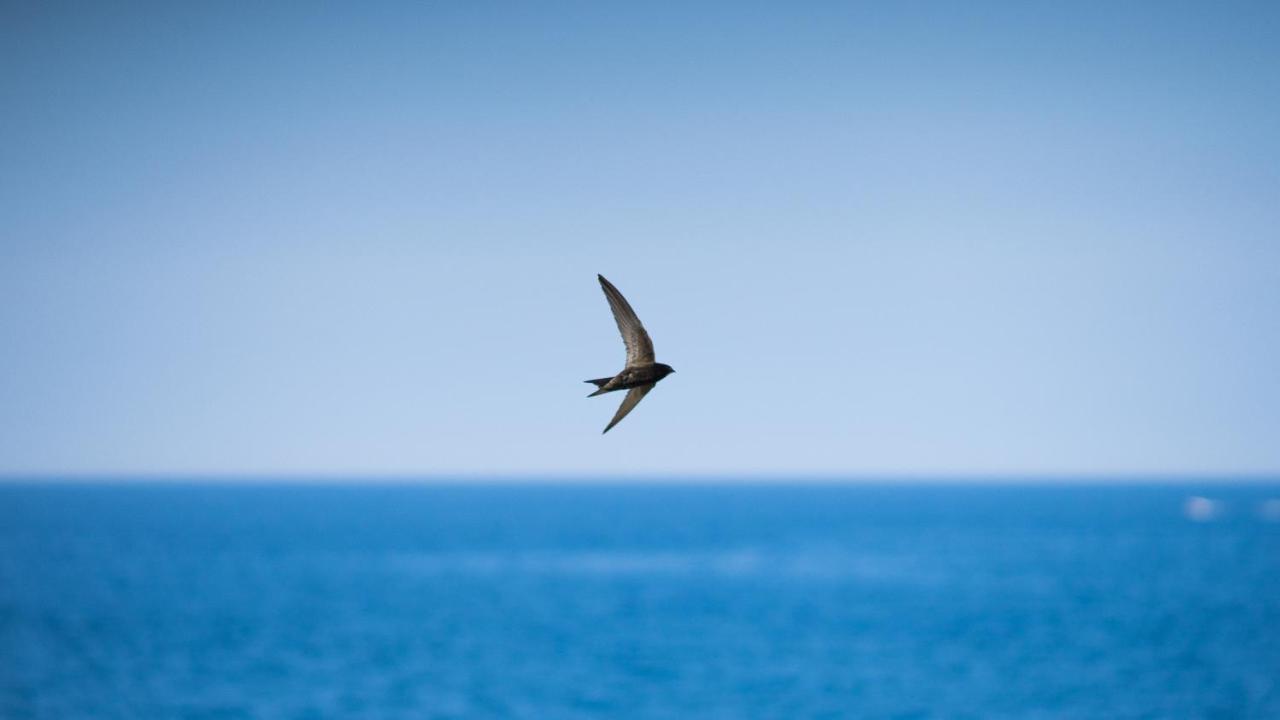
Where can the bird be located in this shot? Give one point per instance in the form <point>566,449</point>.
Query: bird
<point>641,372</point>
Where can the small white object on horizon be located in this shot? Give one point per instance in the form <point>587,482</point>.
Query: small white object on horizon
<point>1202,509</point>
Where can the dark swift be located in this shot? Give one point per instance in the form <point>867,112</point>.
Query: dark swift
<point>641,372</point>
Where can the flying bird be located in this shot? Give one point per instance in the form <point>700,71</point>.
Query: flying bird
<point>641,372</point>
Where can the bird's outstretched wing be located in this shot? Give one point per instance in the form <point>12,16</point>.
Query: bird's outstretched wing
<point>633,398</point>
<point>639,346</point>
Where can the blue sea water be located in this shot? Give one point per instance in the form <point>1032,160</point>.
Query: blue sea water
<point>788,600</point>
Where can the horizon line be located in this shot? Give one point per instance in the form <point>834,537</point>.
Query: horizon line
<point>663,478</point>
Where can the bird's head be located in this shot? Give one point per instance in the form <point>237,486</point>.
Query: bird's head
<point>664,370</point>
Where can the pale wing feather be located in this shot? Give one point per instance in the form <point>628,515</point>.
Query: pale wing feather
<point>633,398</point>
<point>639,346</point>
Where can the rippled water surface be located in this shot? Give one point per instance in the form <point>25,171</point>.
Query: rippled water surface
<point>639,601</point>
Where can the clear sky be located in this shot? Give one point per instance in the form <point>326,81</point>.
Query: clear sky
<point>1035,237</point>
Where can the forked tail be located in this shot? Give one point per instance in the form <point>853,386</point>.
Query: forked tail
<point>599,383</point>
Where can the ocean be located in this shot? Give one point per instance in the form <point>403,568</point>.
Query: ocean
<point>757,600</point>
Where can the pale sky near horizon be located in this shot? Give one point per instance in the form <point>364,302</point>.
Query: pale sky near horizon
<point>956,238</point>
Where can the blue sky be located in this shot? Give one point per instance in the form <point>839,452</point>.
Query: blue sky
<point>881,238</point>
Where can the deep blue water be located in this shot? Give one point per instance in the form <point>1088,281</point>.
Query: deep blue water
<point>777,601</point>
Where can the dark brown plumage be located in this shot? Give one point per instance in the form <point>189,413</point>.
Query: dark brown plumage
<point>641,372</point>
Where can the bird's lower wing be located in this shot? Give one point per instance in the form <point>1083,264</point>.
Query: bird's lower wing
<point>633,398</point>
